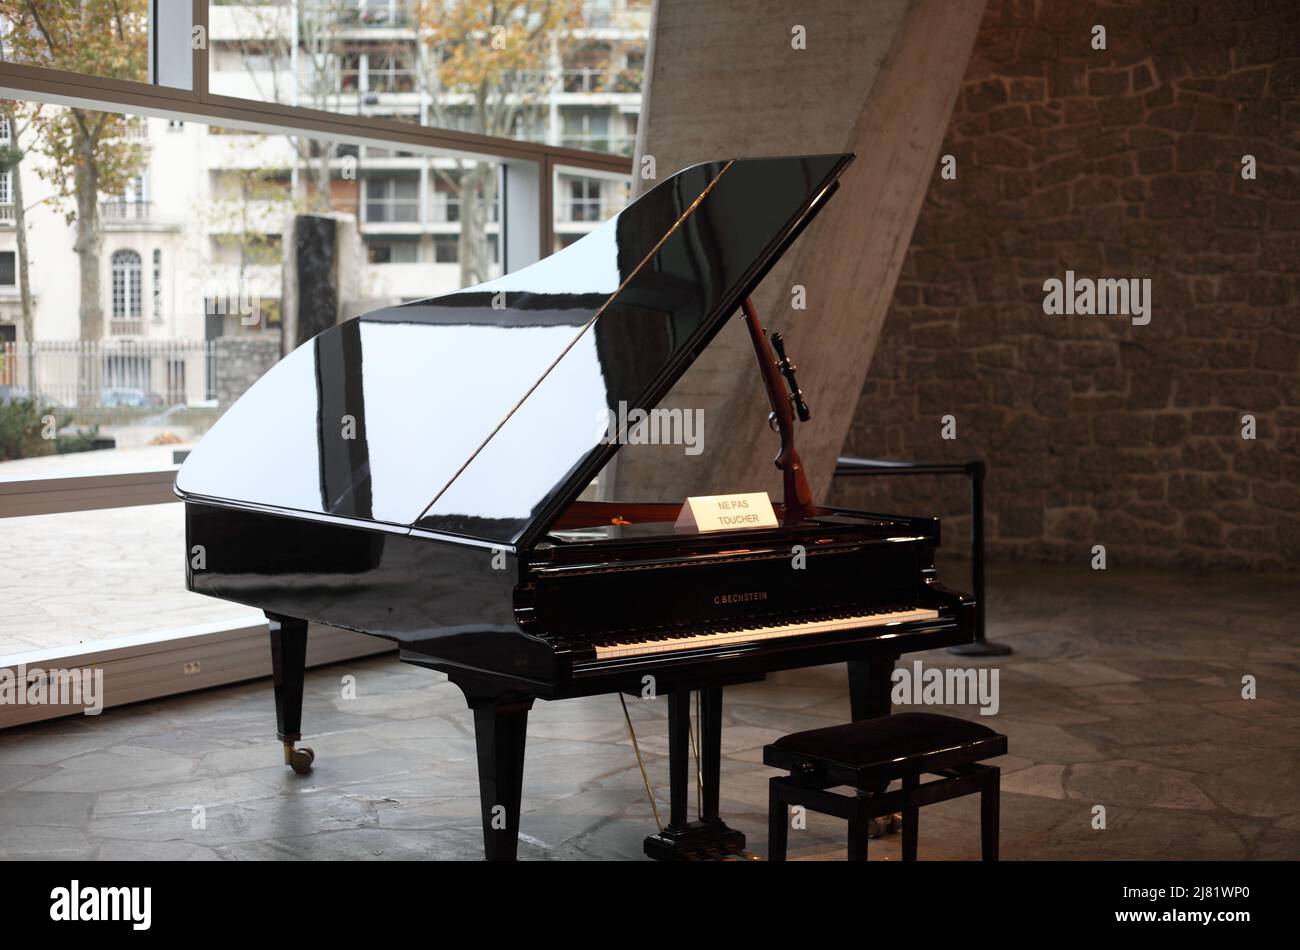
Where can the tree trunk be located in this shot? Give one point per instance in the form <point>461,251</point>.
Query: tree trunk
<point>478,192</point>
<point>88,245</point>
<point>322,202</point>
<point>24,284</point>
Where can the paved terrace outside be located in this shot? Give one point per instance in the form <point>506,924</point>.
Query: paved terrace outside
<point>86,576</point>
<point>1125,691</point>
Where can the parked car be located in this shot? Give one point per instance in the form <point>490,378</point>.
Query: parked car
<point>9,393</point>
<point>125,397</point>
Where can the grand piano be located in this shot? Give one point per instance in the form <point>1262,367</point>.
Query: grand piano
<point>415,473</point>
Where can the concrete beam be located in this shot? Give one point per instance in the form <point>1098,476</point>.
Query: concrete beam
<point>728,81</point>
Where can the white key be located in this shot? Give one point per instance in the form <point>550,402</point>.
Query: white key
<point>750,635</point>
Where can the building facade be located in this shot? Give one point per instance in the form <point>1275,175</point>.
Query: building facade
<point>193,248</point>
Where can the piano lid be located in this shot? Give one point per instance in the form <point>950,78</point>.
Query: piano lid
<point>482,413</point>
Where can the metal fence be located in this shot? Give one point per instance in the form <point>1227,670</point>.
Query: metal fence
<point>110,374</point>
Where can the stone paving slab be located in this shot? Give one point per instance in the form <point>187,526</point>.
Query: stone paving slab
<point>84,576</point>
<point>1150,724</point>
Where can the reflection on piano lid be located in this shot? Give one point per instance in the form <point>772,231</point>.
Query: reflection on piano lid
<point>480,413</point>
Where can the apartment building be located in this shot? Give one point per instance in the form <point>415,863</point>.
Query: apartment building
<point>199,231</point>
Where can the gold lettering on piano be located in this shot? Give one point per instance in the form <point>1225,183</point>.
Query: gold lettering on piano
<point>744,598</point>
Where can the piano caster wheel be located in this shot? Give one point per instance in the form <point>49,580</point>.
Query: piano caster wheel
<point>299,760</point>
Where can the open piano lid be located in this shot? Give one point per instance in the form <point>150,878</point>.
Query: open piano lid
<point>482,413</point>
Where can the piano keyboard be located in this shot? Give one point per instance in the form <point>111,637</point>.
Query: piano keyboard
<point>669,642</point>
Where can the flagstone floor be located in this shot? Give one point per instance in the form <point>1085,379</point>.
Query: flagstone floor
<point>1125,691</point>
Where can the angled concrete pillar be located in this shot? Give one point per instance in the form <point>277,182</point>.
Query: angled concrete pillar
<point>731,80</point>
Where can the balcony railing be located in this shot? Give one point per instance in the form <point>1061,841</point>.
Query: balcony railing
<point>376,15</point>
<point>392,211</point>
<point>130,326</point>
<point>117,211</point>
<point>583,210</point>
<point>385,80</point>
<point>614,144</point>
<point>596,79</point>
<point>445,209</point>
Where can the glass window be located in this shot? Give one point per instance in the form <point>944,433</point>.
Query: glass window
<point>583,199</point>
<point>391,199</point>
<point>126,292</point>
<point>132,379</point>
<point>393,252</point>
<point>446,249</point>
<point>193,257</point>
<point>568,73</point>
<point>157,286</point>
<point>105,38</point>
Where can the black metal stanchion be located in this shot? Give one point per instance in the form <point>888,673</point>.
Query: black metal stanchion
<point>979,646</point>
<point>975,472</point>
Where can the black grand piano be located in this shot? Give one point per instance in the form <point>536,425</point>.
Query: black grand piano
<point>415,474</point>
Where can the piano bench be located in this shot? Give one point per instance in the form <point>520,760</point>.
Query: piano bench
<point>867,756</point>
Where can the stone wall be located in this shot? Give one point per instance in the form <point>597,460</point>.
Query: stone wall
<point>240,362</point>
<point>1123,163</point>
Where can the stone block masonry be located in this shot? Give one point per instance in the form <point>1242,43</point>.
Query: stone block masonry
<point>240,362</point>
<point>1120,163</point>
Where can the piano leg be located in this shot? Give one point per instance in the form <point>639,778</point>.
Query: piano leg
<point>289,670</point>
<point>869,687</point>
<point>682,838</point>
<point>500,733</point>
<point>710,751</point>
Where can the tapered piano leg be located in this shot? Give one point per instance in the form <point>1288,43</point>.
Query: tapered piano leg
<point>710,751</point>
<point>679,761</point>
<point>709,836</point>
<point>869,686</point>
<point>500,732</point>
<point>289,671</point>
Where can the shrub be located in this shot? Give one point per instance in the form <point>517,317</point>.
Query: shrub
<point>22,429</point>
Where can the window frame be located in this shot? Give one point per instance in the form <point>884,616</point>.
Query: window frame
<point>198,104</point>
<point>127,269</point>
<point>521,160</point>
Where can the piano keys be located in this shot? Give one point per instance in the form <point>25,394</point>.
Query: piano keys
<point>414,474</point>
<point>752,630</point>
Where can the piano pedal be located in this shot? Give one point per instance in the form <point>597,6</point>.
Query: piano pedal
<point>722,854</point>
<point>885,825</point>
<point>299,760</point>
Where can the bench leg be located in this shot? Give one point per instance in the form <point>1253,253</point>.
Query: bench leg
<point>989,808</point>
<point>859,822</point>
<point>778,821</point>
<point>911,817</point>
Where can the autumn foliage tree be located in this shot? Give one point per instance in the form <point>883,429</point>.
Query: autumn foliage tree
<point>486,66</point>
<point>87,151</point>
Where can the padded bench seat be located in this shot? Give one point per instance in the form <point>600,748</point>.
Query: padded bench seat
<point>867,756</point>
